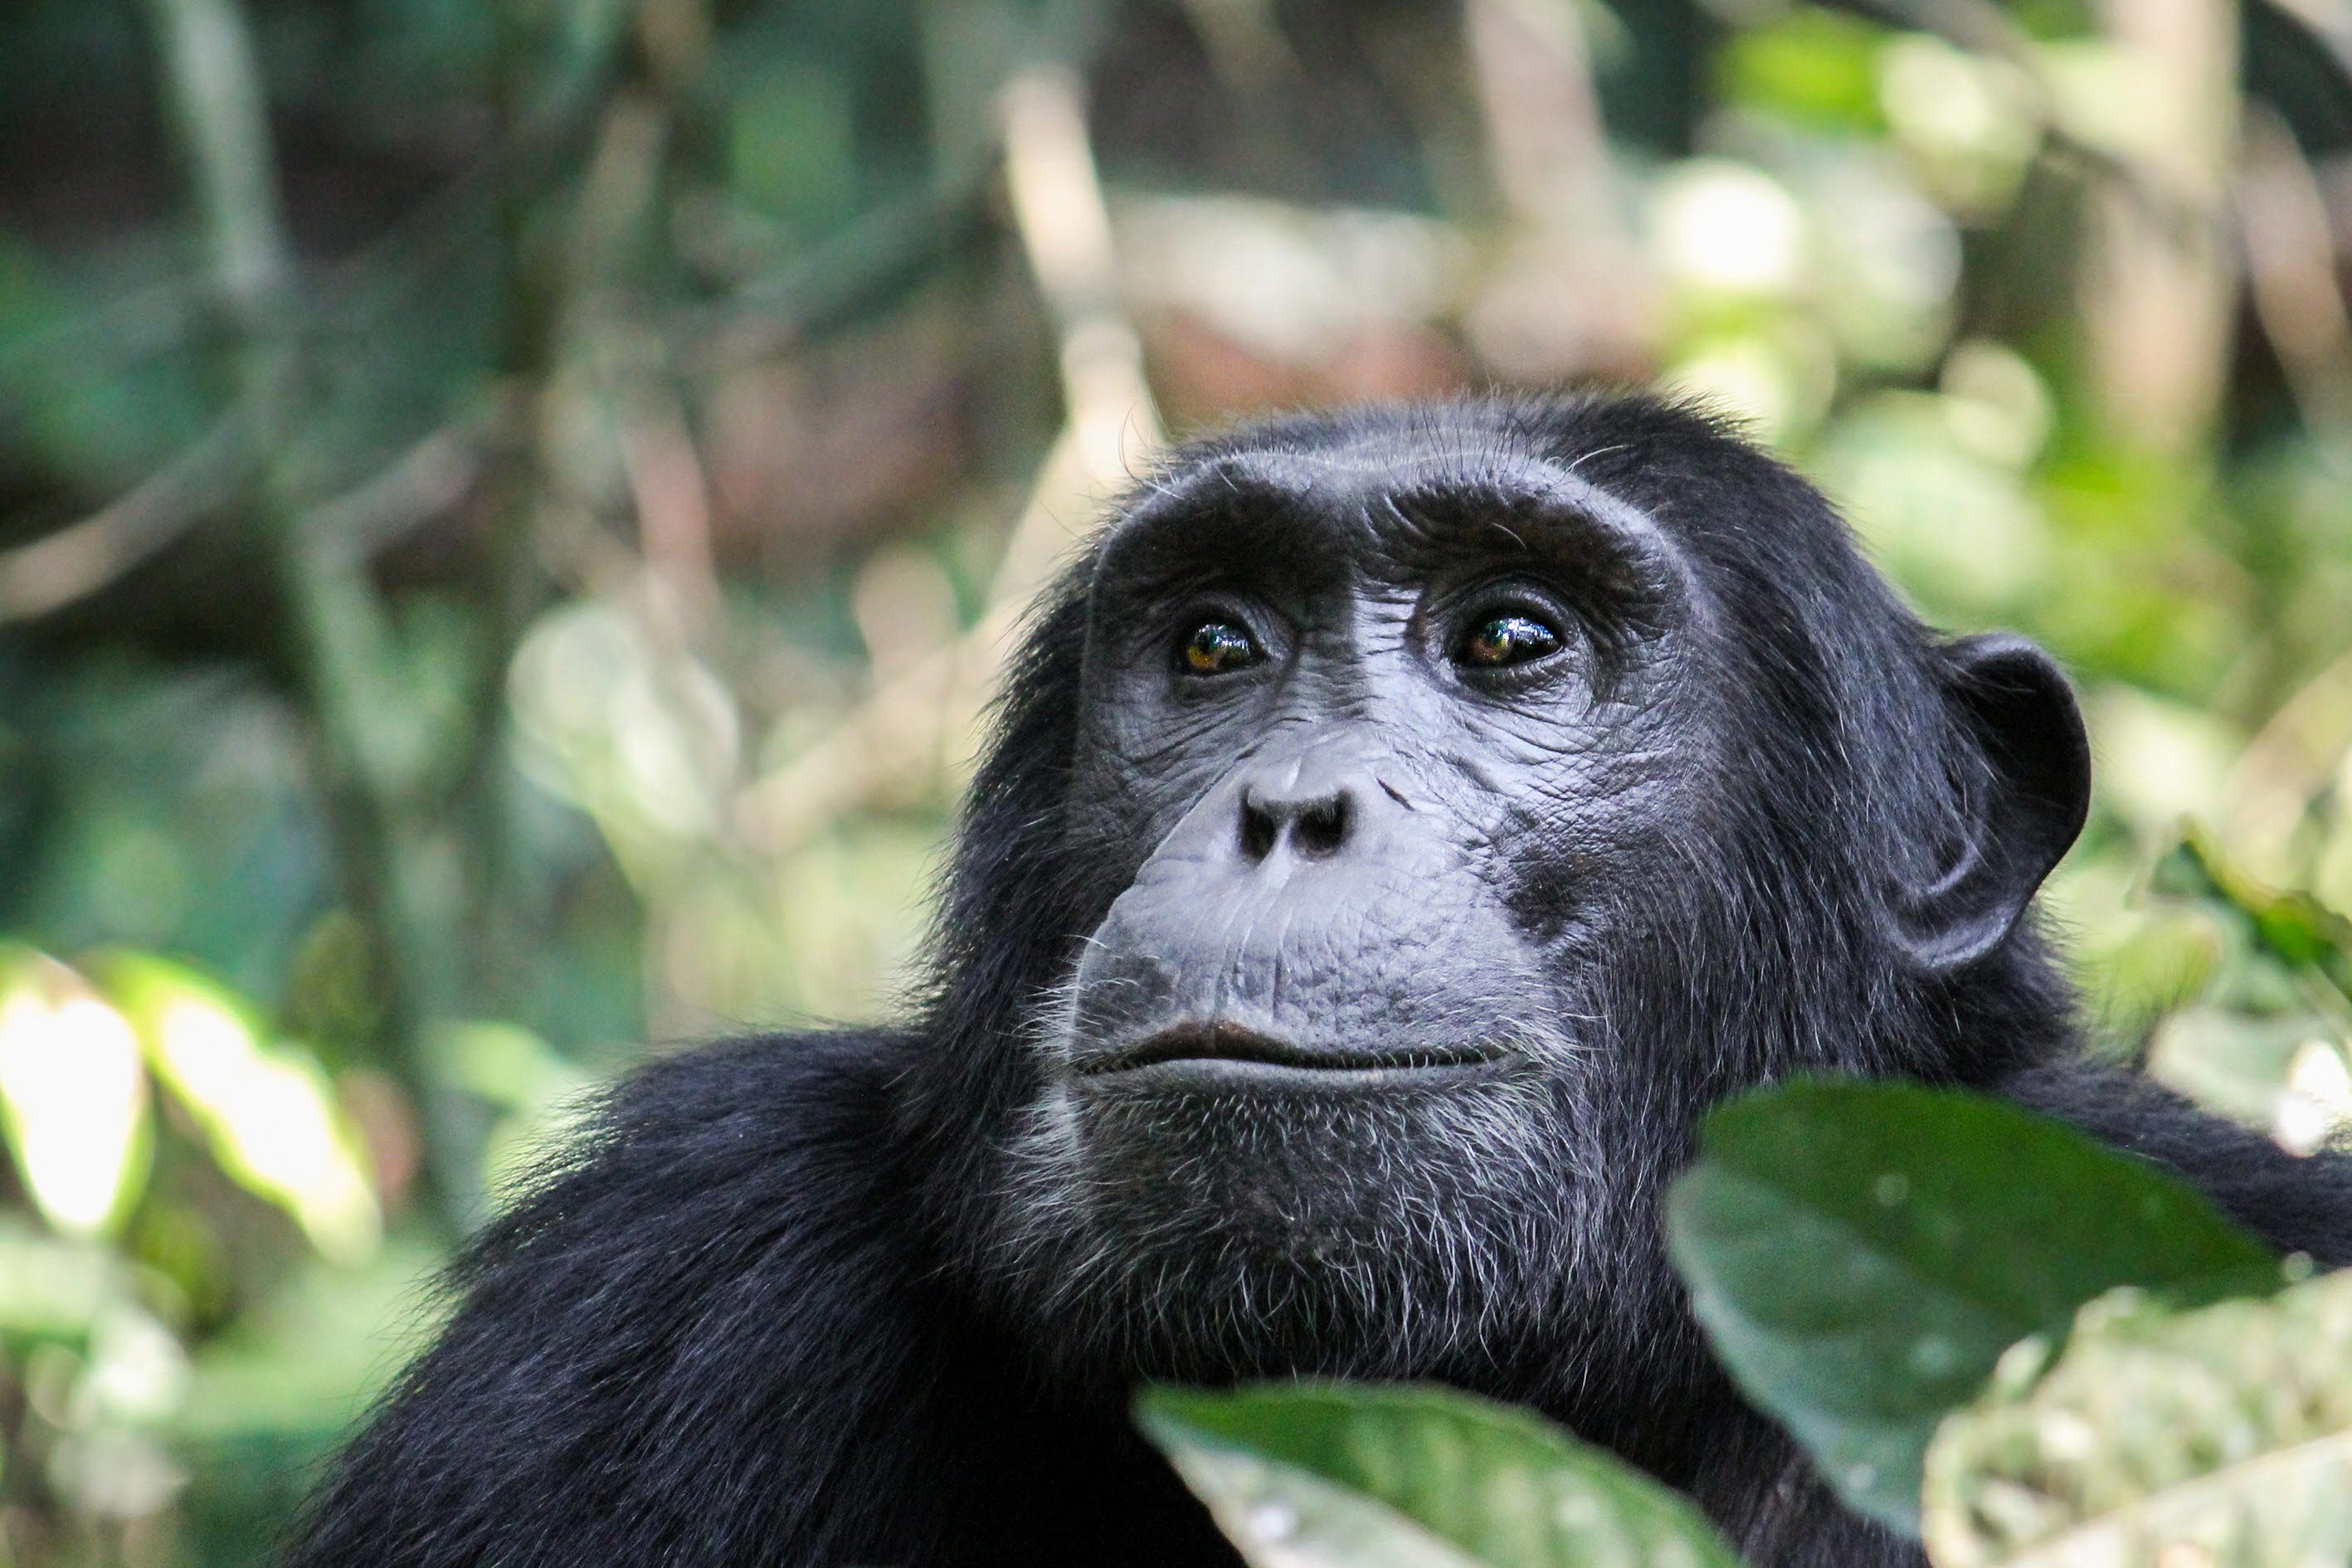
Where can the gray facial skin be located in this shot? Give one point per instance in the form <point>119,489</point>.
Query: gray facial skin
<point>1320,1056</point>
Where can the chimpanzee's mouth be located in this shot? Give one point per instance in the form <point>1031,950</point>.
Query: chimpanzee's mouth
<point>1224,1050</point>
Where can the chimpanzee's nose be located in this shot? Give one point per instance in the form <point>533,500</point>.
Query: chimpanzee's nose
<point>1316,821</point>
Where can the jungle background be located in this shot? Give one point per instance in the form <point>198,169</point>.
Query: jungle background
<point>510,512</point>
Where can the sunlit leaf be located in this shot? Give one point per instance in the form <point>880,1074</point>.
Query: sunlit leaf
<point>73,1096</point>
<point>1299,1476</point>
<point>1861,1254</point>
<point>268,1110</point>
<point>2161,1440</point>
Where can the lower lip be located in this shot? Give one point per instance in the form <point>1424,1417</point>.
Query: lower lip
<point>1229,1074</point>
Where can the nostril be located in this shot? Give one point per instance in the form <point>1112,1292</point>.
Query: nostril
<point>1322,827</point>
<point>1314,828</point>
<point>1259,830</point>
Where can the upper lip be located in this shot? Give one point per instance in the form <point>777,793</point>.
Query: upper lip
<point>1234,1043</point>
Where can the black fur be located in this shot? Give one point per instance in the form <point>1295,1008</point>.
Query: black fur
<point>772,1310</point>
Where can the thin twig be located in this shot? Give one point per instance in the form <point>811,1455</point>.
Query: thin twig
<point>83,557</point>
<point>219,108</point>
<point>425,482</point>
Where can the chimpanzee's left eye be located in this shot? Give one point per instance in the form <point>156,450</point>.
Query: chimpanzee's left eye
<point>1508,639</point>
<point>1213,648</point>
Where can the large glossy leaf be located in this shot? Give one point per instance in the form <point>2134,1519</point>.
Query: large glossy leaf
<point>1861,1254</point>
<point>2159,1438</point>
<point>1300,1473</point>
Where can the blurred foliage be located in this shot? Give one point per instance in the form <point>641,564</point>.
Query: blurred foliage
<point>2223,1436</point>
<point>1985,1330</point>
<point>509,512</point>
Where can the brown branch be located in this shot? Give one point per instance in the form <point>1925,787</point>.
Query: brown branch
<point>1065,228</point>
<point>2291,257</point>
<point>916,719</point>
<point>427,480</point>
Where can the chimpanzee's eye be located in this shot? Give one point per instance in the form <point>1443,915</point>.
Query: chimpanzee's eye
<point>1507,639</point>
<point>1212,647</point>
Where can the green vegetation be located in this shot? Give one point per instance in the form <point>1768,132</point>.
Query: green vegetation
<point>1986,1330</point>
<point>1863,1255</point>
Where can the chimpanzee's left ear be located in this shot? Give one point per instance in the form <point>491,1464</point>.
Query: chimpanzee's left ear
<point>2023,785</point>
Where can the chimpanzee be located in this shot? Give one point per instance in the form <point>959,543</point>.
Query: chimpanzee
<point>1398,826</point>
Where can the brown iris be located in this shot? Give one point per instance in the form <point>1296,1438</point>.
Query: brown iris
<point>1217,647</point>
<point>1507,639</point>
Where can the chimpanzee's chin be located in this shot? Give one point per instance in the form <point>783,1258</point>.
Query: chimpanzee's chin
<point>1299,1166</point>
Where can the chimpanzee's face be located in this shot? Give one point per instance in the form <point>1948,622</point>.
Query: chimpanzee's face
<point>1381,755</point>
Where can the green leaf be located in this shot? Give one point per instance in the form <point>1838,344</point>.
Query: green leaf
<point>2213,1436</point>
<point>1861,1254</point>
<point>73,1096</point>
<point>1301,1474</point>
<point>1813,66</point>
<point>269,1110</point>
<point>1282,1516</point>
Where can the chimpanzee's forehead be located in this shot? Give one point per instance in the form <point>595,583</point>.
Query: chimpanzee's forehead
<point>1430,440</point>
<point>1392,490</point>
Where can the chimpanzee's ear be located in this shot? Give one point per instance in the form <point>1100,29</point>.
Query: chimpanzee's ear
<point>2023,784</point>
